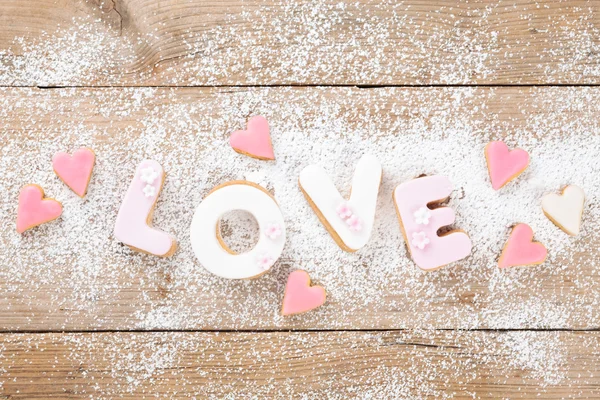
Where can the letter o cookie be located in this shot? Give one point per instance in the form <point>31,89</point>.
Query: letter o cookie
<point>209,246</point>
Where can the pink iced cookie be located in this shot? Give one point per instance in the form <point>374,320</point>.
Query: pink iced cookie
<point>420,224</point>
<point>75,170</point>
<point>299,296</point>
<point>34,209</point>
<point>255,141</point>
<point>521,250</point>
<point>133,221</point>
<point>504,165</point>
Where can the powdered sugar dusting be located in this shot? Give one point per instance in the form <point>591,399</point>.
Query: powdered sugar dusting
<point>73,274</point>
<point>308,365</point>
<point>304,42</point>
<point>77,272</point>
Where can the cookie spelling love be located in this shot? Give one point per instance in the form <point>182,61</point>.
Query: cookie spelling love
<point>422,217</point>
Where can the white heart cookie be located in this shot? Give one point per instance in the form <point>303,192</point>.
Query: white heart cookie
<point>565,210</point>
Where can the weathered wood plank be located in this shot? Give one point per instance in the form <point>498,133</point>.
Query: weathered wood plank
<point>330,365</point>
<point>368,42</point>
<point>73,274</point>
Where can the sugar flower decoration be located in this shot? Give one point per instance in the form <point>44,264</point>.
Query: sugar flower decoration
<point>422,216</point>
<point>344,211</point>
<point>273,231</point>
<point>420,240</point>
<point>149,191</point>
<point>354,223</point>
<point>265,261</point>
<point>149,175</point>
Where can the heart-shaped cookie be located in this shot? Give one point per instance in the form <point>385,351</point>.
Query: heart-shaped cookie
<point>75,170</point>
<point>504,165</point>
<point>34,209</point>
<point>255,141</point>
<point>521,250</point>
<point>299,296</point>
<point>565,209</point>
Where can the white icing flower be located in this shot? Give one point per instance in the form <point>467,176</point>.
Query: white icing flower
<point>420,240</point>
<point>344,211</point>
<point>422,216</point>
<point>149,191</point>
<point>273,231</point>
<point>265,261</point>
<point>354,223</point>
<point>148,175</point>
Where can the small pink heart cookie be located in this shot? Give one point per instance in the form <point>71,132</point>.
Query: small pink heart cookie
<point>521,250</point>
<point>299,296</point>
<point>504,165</point>
<point>254,141</point>
<point>34,209</point>
<point>75,170</point>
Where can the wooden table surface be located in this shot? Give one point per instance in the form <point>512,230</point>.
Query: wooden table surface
<point>416,81</point>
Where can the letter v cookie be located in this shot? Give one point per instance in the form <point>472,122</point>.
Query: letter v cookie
<point>349,222</point>
<point>133,221</point>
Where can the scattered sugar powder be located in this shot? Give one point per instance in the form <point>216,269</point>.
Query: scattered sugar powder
<point>303,42</point>
<point>74,274</point>
<point>307,365</point>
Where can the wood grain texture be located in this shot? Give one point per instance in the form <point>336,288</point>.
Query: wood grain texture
<point>270,42</point>
<point>73,274</point>
<point>329,365</point>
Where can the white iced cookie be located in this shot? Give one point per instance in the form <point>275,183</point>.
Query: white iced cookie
<point>565,209</point>
<point>349,222</point>
<point>208,245</point>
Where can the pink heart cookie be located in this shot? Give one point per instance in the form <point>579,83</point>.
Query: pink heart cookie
<point>504,165</point>
<point>34,209</point>
<point>75,170</point>
<point>299,296</point>
<point>255,141</point>
<point>520,249</point>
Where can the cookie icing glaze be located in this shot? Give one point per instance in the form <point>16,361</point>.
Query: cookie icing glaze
<point>34,209</point>
<point>420,225</point>
<point>75,170</point>
<point>566,209</point>
<point>133,221</point>
<point>300,296</point>
<point>521,250</point>
<point>504,165</point>
<point>349,222</point>
<point>209,247</point>
<point>255,141</point>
